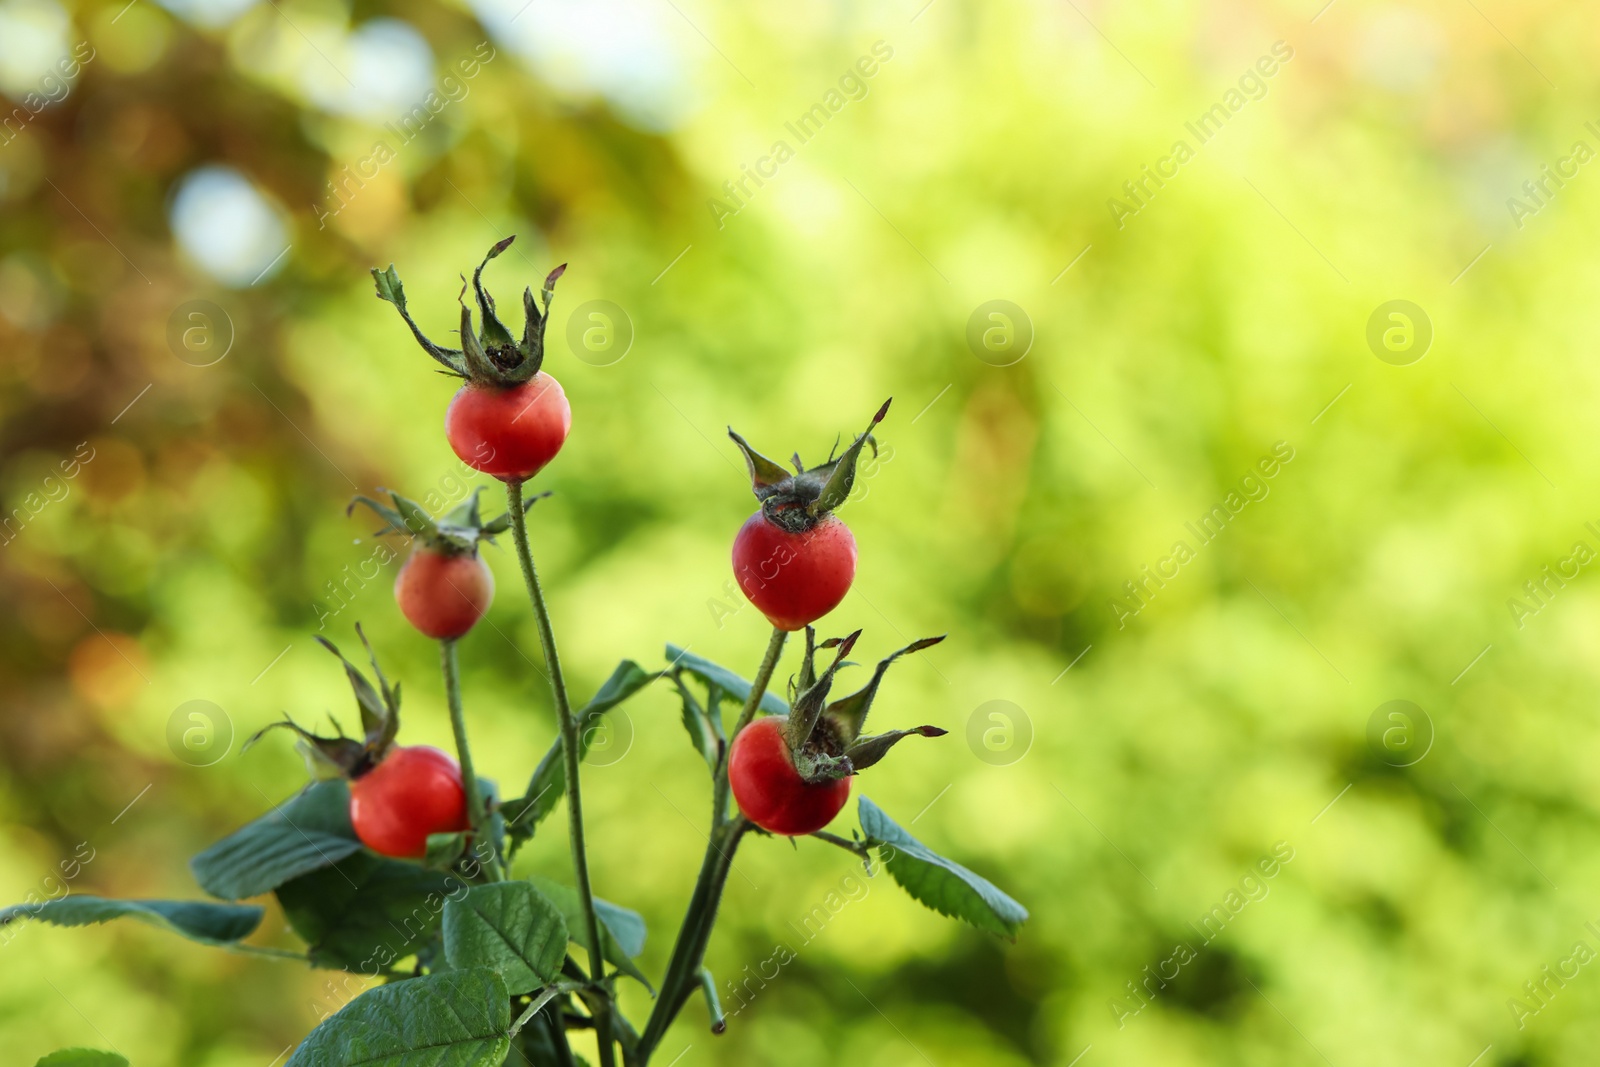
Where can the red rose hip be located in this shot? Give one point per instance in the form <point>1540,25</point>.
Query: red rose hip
<point>509,432</point>
<point>443,594</point>
<point>415,791</point>
<point>771,792</point>
<point>794,578</point>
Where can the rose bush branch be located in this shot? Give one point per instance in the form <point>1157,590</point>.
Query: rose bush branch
<point>391,864</point>
<point>570,756</point>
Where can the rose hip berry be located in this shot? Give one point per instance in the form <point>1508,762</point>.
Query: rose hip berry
<point>794,578</point>
<point>770,791</point>
<point>398,794</point>
<point>444,587</point>
<point>509,432</point>
<point>510,419</point>
<point>794,559</point>
<point>443,594</point>
<point>414,792</point>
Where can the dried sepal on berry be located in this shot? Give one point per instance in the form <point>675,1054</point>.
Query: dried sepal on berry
<point>457,532</point>
<point>342,755</point>
<point>489,355</point>
<point>826,738</point>
<point>798,501</point>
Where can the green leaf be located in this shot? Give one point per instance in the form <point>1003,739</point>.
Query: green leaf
<point>549,781</point>
<point>946,887</point>
<point>444,849</point>
<point>698,722</point>
<point>366,912</point>
<point>198,920</point>
<point>724,679</point>
<point>509,927</point>
<point>451,1019</point>
<point>82,1057</point>
<point>306,833</point>
<point>622,931</point>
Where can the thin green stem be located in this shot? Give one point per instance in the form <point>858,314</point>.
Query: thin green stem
<point>458,722</point>
<point>858,848</point>
<point>758,689</point>
<point>683,970</point>
<point>569,744</point>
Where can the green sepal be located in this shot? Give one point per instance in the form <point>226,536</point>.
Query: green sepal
<point>869,750</point>
<point>380,722</point>
<point>767,477</point>
<point>495,335</point>
<point>841,473</point>
<point>390,289</point>
<point>478,364</point>
<point>492,356</point>
<point>808,706</point>
<point>502,523</point>
<point>849,714</point>
<point>798,501</point>
<point>457,532</point>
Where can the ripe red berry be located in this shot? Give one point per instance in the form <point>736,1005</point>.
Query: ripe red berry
<point>509,432</point>
<point>794,579</point>
<point>771,792</point>
<point>443,594</point>
<point>414,792</point>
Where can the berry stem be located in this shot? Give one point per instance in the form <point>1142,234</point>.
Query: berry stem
<point>469,776</point>
<point>571,754</point>
<point>688,953</point>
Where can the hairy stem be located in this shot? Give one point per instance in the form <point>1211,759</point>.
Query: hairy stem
<point>859,848</point>
<point>758,689</point>
<point>570,751</point>
<point>469,776</point>
<point>683,970</point>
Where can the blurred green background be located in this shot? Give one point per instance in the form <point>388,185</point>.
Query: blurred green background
<point>227,152</point>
